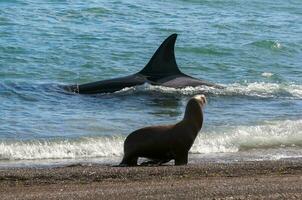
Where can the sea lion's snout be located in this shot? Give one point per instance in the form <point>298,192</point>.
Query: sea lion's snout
<point>201,99</point>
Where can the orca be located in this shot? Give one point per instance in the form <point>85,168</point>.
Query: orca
<point>161,70</point>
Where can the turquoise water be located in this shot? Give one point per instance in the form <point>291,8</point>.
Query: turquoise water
<point>253,48</point>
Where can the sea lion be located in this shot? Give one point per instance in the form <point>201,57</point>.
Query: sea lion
<point>163,143</point>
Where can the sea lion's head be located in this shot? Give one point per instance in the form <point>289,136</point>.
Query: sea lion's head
<point>194,113</point>
<point>201,99</point>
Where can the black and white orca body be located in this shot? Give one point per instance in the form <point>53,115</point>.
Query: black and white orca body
<point>161,70</point>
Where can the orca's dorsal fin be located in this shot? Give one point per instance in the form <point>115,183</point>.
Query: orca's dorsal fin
<point>163,61</point>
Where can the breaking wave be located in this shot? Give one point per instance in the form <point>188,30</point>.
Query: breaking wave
<point>61,149</point>
<point>241,138</point>
<point>255,89</point>
<point>270,135</point>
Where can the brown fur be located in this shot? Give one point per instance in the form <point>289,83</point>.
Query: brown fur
<point>161,144</point>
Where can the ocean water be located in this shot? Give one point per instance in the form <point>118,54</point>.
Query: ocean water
<point>254,48</point>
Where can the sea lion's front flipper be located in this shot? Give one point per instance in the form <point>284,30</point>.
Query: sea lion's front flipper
<point>181,158</point>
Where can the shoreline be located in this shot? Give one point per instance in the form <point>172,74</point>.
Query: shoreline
<point>275,154</point>
<point>243,180</point>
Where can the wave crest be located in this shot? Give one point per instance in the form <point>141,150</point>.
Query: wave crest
<point>233,139</point>
<point>225,139</point>
<point>255,89</point>
<point>62,149</point>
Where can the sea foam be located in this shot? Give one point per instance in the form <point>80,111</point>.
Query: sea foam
<point>223,139</point>
<point>277,134</point>
<point>253,89</point>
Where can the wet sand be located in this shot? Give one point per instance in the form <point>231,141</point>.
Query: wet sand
<point>238,180</point>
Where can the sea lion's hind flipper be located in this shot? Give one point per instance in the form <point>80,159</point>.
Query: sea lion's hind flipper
<point>128,161</point>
